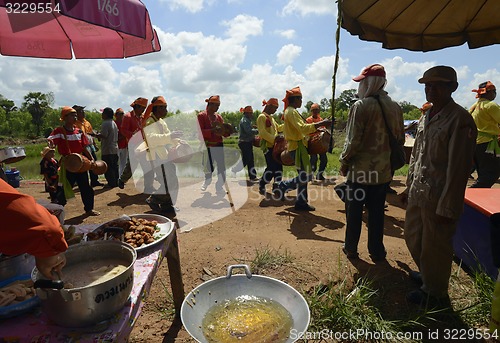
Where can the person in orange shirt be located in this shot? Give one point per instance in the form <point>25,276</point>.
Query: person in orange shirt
<point>210,125</point>
<point>84,125</point>
<point>132,123</point>
<point>29,228</point>
<point>323,160</point>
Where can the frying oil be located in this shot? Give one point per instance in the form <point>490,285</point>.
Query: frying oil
<point>247,319</point>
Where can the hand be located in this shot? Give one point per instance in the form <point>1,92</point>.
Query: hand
<point>47,265</point>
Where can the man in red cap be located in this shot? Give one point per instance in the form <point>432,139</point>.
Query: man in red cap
<point>323,159</point>
<point>296,132</point>
<point>212,130</point>
<point>268,131</point>
<point>486,114</point>
<point>435,187</point>
<point>365,160</point>
<point>245,143</point>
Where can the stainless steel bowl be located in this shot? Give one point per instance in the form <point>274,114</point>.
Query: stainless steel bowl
<point>202,298</point>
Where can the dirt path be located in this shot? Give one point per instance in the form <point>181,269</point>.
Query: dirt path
<point>313,239</point>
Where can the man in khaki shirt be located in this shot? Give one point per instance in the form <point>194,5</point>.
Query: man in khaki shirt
<point>439,168</point>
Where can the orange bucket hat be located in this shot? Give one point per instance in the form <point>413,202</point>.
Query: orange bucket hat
<point>65,111</point>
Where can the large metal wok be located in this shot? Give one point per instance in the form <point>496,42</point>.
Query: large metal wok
<point>202,298</point>
<point>88,305</point>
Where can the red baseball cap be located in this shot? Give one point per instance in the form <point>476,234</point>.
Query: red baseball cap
<point>372,70</point>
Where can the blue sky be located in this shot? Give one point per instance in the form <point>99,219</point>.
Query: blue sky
<point>245,51</point>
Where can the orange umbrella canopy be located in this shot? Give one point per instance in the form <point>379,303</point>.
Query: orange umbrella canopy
<point>423,25</point>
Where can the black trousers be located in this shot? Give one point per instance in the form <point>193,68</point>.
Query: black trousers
<point>273,169</point>
<point>487,166</point>
<point>86,192</point>
<point>373,197</point>
<point>247,158</point>
<point>111,174</point>
<point>323,161</point>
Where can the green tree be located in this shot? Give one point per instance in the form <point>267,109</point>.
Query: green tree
<point>345,100</point>
<point>7,105</point>
<point>325,104</point>
<point>406,107</point>
<point>37,104</point>
<point>308,106</point>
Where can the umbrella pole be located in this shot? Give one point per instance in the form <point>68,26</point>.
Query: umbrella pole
<point>228,192</point>
<point>335,68</point>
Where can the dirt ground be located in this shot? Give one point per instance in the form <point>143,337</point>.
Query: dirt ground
<point>313,239</point>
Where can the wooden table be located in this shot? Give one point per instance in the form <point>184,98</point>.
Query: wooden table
<point>472,241</point>
<point>36,327</point>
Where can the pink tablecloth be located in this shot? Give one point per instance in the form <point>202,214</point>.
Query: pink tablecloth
<point>36,327</point>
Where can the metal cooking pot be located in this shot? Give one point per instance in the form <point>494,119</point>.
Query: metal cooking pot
<point>77,307</point>
<point>202,298</point>
<point>11,155</point>
<point>11,266</point>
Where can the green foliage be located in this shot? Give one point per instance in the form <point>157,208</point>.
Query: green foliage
<point>345,100</point>
<point>269,258</point>
<point>37,104</point>
<point>342,309</point>
<point>412,114</point>
<point>95,119</point>
<point>407,107</point>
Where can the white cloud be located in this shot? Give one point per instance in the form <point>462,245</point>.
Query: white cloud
<point>243,26</point>
<point>287,54</point>
<point>192,6</point>
<point>305,7</point>
<point>288,34</point>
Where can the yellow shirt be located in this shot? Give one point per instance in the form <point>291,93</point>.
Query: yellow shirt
<point>157,137</point>
<point>296,129</point>
<point>486,115</point>
<point>268,132</point>
<point>86,128</point>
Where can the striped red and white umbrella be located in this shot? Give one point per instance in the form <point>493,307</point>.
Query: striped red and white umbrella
<point>76,28</point>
